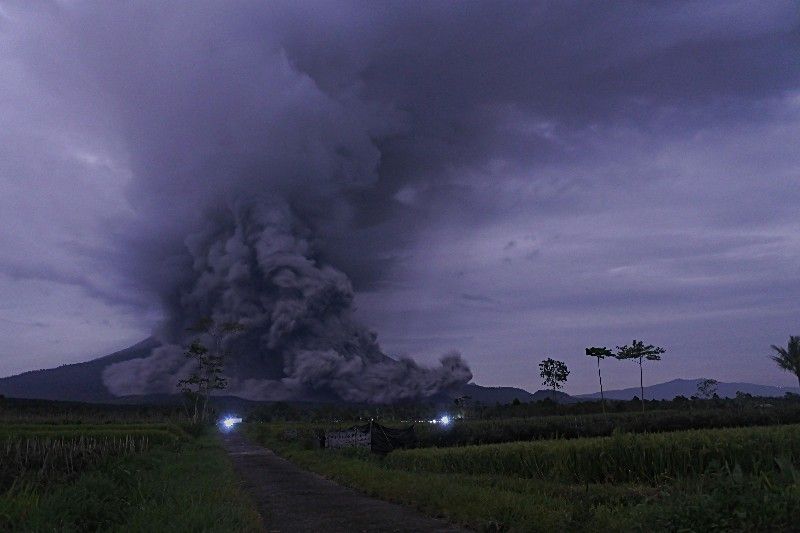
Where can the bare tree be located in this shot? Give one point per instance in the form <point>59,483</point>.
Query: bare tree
<point>207,372</point>
<point>462,403</point>
<point>707,388</point>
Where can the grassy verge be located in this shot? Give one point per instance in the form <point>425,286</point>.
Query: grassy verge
<point>485,503</point>
<point>722,498</point>
<point>186,488</point>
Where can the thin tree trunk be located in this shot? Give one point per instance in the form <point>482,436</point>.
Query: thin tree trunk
<point>602,397</point>
<point>185,404</point>
<point>641,382</point>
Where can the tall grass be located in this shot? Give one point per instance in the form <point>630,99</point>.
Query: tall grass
<point>621,458</point>
<point>43,455</point>
<point>60,457</point>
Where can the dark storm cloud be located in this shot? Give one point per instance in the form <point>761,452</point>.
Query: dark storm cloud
<point>384,146</point>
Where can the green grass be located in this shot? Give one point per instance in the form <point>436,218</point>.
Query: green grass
<point>481,502</point>
<point>187,488</point>
<point>622,458</point>
<point>721,498</point>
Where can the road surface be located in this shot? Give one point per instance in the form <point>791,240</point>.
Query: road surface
<point>291,499</point>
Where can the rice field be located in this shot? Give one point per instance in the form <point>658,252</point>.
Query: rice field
<point>83,468</point>
<point>647,458</point>
<point>36,453</point>
<point>724,479</point>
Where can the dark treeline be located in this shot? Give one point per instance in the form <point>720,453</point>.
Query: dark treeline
<point>46,411</point>
<point>469,410</point>
<point>61,412</point>
<point>497,430</point>
<point>547,407</point>
<point>336,413</point>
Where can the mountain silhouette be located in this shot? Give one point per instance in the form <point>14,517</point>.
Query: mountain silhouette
<point>688,388</point>
<point>83,382</point>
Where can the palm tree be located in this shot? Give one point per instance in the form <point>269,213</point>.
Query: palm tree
<point>789,358</point>
<point>599,353</point>
<point>639,351</point>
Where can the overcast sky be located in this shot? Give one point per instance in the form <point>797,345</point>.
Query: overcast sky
<point>511,180</point>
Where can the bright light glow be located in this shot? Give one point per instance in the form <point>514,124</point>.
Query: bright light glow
<point>445,420</point>
<point>230,421</point>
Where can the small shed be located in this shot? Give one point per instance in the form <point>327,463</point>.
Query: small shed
<point>378,438</point>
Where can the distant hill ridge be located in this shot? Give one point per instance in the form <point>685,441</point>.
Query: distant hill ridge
<point>688,387</point>
<point>493,395</point>
<point>82,382</point>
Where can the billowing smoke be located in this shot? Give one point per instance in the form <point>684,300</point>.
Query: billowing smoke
<point>245,170</point>
<point>253,264</point>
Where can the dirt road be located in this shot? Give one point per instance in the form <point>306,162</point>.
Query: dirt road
<point>294,500</point>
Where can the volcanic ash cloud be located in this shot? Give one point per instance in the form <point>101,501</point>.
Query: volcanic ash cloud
<point>258,182</point>
<point>253,265</point>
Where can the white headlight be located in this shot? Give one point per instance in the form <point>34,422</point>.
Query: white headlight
<point>231,421</point>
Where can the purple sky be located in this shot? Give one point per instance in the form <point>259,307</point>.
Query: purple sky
<point>511,180</point>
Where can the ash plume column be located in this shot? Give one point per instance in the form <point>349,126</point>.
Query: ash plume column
<point>243,172</point>
<point>252,265</point>
<point>274,150</point>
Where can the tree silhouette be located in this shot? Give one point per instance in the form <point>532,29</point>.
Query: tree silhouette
<point>707,388</point>
<point>206,375</point>
<point>553,373</point>
<point>640,351</point>
<point>461,404</point>
<point>600,353</point>
<point>789,358</point>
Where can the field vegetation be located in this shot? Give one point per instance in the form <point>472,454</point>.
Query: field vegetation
<point>81,468</point>
<point>699,469</point>
<point>648,458</point>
